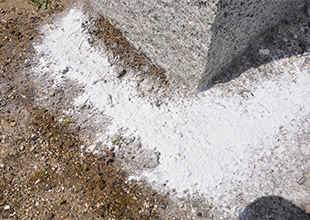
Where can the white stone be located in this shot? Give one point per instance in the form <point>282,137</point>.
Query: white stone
<point>7,207</point>
<point>264,51</point>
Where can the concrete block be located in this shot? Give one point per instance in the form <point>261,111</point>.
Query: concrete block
<point>195,39</point>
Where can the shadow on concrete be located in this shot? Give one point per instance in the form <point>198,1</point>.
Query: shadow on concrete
<point>273,208</point>
<point>287,39</point>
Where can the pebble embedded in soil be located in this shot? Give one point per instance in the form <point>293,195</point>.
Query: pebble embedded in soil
<point>48,187</point>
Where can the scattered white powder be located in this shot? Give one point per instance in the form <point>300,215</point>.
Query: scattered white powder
<point>220,146</point>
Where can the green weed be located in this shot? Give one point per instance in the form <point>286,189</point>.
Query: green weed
<point>39,4</point>
<point>68,120</point>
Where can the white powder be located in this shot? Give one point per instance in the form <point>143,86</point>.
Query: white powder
<point>220,146</point>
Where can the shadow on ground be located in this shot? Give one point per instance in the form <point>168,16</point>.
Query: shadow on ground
<point>273,207</point>
<point>289,38</point>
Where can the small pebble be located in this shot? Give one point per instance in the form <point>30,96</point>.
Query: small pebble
<point>7,207</point>
<point>264,51</point>
<point>119,71</point>
<point>22,148</point>
<point>52,93</point>
<point>300,178</point>
<point>77,127</point>
<point>66,70</point>
<point>163,206</point>
<point>307,60</point>
<point>33,138</point>
<point>48,187</point>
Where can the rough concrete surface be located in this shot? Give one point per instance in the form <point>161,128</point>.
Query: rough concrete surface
<point>195,40</point>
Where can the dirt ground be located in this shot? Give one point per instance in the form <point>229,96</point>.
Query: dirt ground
<point>44,173</point>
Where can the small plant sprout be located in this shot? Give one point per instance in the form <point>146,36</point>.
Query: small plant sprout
<point>68,120</point>
<point>39,4</point>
